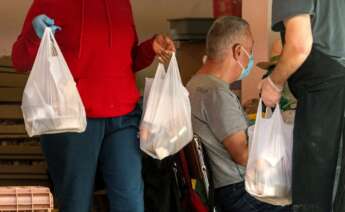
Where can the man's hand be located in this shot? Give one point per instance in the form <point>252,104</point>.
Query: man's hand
<point>270,93</point>
<point>163,46</point>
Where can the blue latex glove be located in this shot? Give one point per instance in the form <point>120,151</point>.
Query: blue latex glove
<point>41,22</point>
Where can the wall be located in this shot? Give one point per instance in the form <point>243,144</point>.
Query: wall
<point>258,14</point>
<point>12,14</point>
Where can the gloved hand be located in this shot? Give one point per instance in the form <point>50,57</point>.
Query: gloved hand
<point>40,22</point>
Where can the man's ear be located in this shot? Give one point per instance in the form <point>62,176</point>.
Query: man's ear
<point>236,51</point>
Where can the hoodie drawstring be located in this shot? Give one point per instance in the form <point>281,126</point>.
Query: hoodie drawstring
<point>110,25</point>
<point>107,8</point>
<point>82,28</point>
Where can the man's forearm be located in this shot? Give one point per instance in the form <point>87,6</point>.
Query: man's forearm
<point>288,65</point>
<point>299,41</point>
<point>237,147</point>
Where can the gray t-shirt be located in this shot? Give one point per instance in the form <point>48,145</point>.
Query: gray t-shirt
<point>328,22</point>
<point>216,114</point>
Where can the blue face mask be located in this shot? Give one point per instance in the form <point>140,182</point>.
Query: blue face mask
<point>246,71</point>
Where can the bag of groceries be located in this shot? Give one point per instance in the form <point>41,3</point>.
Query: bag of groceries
<point>268,174</point>
<point>51,102</point>
<point>166,125</point>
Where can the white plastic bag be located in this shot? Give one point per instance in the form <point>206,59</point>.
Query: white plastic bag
<point>51,102</point>
<point>166,126</point>
<point>268,175</point>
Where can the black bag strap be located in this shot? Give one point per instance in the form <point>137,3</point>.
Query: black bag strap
<point>206,161</point>
<point>211,189</point>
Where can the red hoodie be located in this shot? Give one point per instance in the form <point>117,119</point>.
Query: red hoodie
<point>99,42</point>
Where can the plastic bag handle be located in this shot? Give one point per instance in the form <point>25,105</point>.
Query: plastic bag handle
<point>259,111</point>
<point>173,67</point>
<point>53,49</point>
<point>48,38</point>
<point>53,46</point>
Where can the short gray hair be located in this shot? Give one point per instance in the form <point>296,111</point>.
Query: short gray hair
<point>225,32</point>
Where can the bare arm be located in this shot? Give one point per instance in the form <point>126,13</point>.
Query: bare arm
<point>298,44</point>
<point>237,146</point>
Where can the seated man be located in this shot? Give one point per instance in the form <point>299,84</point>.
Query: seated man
<point>217,115</point>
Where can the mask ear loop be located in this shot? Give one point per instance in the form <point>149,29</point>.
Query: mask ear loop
<point>245,51</point>
<point>248,55</point>
<point>240,64</point>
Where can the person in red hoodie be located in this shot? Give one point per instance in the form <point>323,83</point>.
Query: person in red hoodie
<point>100,44</point>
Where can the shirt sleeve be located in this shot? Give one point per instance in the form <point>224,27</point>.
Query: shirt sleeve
<point>25,48</point>
<point>223,113</point>
<point>143,54</point>
<point>284,9</point>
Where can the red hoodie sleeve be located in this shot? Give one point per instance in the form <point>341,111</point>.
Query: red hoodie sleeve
<point>143,54</point>
<point>24,50</point>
